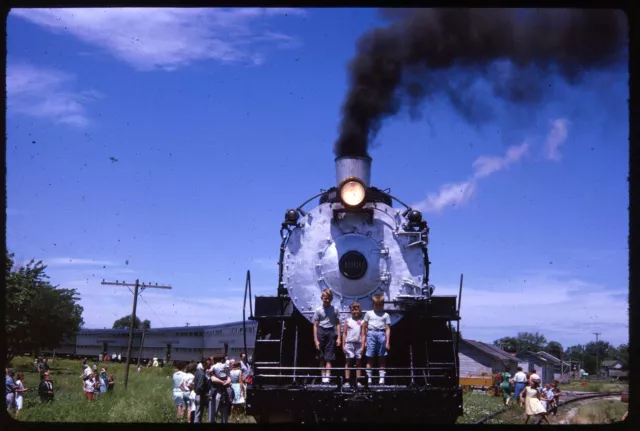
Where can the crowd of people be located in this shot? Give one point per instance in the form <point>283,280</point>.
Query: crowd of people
<point>217,383</point>
<point>15,386</point>
<point>537,399</point>
<point>94,383</point>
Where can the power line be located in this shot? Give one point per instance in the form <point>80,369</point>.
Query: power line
<point>138,289</point>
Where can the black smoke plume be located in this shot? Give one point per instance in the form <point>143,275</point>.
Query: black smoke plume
<point>427,51</point>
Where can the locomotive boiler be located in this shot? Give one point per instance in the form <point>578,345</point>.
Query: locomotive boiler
<point>355,243</point>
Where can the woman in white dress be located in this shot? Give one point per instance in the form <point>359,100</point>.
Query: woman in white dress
<point>19,390</point>
<point>531,398</point>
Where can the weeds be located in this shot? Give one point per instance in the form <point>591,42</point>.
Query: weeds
<point>599,412</point>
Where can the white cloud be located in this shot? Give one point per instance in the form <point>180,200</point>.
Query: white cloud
<point>148,38</point>
<point>556,137</point>
<point>563,309</point>
<point>73,261</point>
<point>45,93</point>
<point>456,194</point>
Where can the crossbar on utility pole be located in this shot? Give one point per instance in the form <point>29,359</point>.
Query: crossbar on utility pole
<point>138,289</point>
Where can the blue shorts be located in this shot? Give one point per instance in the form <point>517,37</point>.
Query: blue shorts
<point>376,343</point>
<point>178,400</point>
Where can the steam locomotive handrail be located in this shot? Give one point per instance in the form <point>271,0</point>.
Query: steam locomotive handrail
<point>353,368</point>
<point>299,208</point>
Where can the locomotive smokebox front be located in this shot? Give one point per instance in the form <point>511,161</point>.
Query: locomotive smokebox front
<point>353,244</point>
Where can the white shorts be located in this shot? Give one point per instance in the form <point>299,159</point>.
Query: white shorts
<point>19,403</point>
<point>353,350</point>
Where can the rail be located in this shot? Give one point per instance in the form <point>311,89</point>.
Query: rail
<point>578,398</point>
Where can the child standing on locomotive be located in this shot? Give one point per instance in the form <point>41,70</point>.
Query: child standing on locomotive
<point>352,342</point>
<point>376,335</point>
<point>326,332</point>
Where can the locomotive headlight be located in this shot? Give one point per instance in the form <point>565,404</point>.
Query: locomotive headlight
<point>352,193</point>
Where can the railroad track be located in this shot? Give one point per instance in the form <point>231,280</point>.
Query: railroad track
<point>569,396</point>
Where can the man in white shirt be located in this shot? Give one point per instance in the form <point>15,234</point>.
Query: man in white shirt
<point>519,382</point>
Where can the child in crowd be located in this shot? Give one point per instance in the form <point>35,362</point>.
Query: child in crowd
<point>376,336</point>
<point>110,382</point>
<point>89,384</point>
<point>556,397</point>
<point>352,342</point>
<point>326,332</point>
<point>19,390</point>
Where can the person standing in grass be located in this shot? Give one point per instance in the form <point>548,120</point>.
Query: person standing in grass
<point>178,398</point>
<point>533,406</point>
<point>104,380</point>
<point>519,380</point>
<point>89,385</point>
<point>201,388</point>
<point>505,386</point>
<point>186,389</point>
<point>46,389</point>
<point>19,390</point>
<point>10,389</point>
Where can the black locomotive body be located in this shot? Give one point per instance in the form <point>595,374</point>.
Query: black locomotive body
<point>422,371</point>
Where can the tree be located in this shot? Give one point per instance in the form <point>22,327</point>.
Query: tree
<point>509,344</point>
<point>37,314</point>
<point>125,323</point>
<point>522,342</point>
<point>554,348</point>
<point>623,355</point>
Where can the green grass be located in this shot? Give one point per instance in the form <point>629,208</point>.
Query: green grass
<point>477,406</point>
<point>600,412</point>
<point>594,387</point>
<point>148,397</point>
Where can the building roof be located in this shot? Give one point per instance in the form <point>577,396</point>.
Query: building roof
<point>488,349</point>
<point>550,358</point>
<point>609,362</point>
<point>249,323</point>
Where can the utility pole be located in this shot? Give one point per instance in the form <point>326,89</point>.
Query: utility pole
<point>138,289</point>
<point>597,354</point>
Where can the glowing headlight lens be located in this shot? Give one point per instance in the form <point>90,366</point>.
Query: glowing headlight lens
<point>352,193</point>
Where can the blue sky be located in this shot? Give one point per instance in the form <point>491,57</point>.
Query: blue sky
<point>167,145</point>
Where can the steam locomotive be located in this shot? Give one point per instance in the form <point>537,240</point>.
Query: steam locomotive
<point>355,243</point>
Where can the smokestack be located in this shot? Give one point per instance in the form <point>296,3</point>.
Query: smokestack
<point>353,166</point>
<point>428,51</point>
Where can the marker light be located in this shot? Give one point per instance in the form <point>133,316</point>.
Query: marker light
<point>352,193</point>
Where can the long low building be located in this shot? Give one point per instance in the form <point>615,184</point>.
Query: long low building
<point>173,343</point>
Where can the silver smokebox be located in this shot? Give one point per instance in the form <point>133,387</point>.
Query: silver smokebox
<point>353,166</point>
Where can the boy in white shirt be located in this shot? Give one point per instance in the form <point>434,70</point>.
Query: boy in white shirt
<point>352,345</point>
<point>376,334</point>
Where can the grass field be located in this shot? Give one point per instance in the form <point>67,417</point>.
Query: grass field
<point>594,387</point>
<point>148,398</point>
<point>599,412</point>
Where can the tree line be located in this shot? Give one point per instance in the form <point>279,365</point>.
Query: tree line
<point>38,315</point>
<point>587,354</point>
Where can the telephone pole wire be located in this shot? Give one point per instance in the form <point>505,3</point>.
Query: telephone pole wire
<point>138,289</point>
